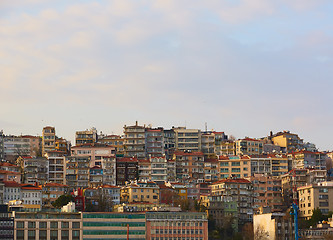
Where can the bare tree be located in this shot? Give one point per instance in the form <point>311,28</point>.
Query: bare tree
<point>260,233</point>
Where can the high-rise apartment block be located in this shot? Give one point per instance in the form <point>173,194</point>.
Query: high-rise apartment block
<point>134,141</point>
<point>86,136</point>
<point>48,139</point>
<point>154,144</point>
<point>187,139</point>
<point>249,146</point>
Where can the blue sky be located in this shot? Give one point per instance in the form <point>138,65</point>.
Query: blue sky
<point>245,67</point>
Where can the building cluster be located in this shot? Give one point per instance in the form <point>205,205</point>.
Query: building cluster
<point>149,169</point>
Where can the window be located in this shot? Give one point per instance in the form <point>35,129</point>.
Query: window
<point>65,225</point>
<point>75,225</point>
<point>42,234</point>
<point>54,224</point>
<point>42,224</point>
<point>20,224</point>
<point>31,224</point>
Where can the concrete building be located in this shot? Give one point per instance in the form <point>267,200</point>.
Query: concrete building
<point>169,142</point>
<point>278,225</point>
<point>62,145</point>
<point>211,170</point>
<point>35,144</point>
<point>189,166</point>
<point>314,196</point>
<point>144,192</point>
<point>114,225</point>
<point>86,137</point>
<point>11,192</point>
<point>31,197</point>
<point>57,166</point>
<point>176,225</point>
<point>306,159</point>
<point>15,146</point>
<point>126,170</point>
<point>48,139</point>
<point>7,223</point>
<point>134,137</point>
<point>159,169</point>
<point>239,191</point>
<point>226,148</point>
<point>171,170</point>
<point>187,139</point>
<point>208,143</point>
<point>249,146</point>
<point>115,141</point>
<point>95,151</point>
<point>2,154</point>
<point>10,176</point>
<point>35,170</point>
<point>111,193</point>
<point>95,176</point>
<point>47,225</point>
<point>267,192</point>
<point>51,191</point>
<point>154,142</point>
<point>109,170</point>
<point>234,166</point>
<point>144,168</point>
<point>77,172</point>
<point>289,142</point>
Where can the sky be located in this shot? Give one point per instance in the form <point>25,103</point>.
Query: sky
<point>245,67</point>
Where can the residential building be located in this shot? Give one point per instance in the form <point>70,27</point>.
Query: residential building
<point>47,225</point>
<point>62,145</point>
<point>77,172</point>
<point>249,146</point>
<point>86,137</point>
<point>51,191</point>
<point>134,137</point>
<point>10,176</point>
<point>225,148</point>
<point>146,192</point>
<point>239,191</point>
<point>9,167</point>
<point>179,188</point>
<point>144,168</point>
<point>208,143</point>
<point>189,166</point>
<point>307,159</point>
<point>57,166</point>
<point>48,139</point>
<point>35,145</point>
<point>289,142</point>
<point>315,196</point>
<point>31,197</point>
<point>126,170</point>
<point>35,170</point>
<point>176,225</point>
<point>267,192</point>
<point>111,193</point>
<point>261,164</point>
<point>169,142</point>
<point>159,169</point>
<point>211,170</point>
<point>154,142</point>
<point>115,141</point>
<point>187,139</point>
<point>114,225</point>
<point>11,192</point>
<point>271,148</point>
<point>109,170</point>
<point>277,225</point>
<point>234,166</point>
<point>171,170</point>
<point>95,151</point>
<point>95,176</point>
<point>15,146</point>
<point>7,223</point>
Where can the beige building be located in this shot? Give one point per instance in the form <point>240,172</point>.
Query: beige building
<point>249,146</point>
<point>86,136</point>
<point>115,141</point>
<point>315,196</point>
<point>48,139</point>
<point>134,143</point>
<point>225,148</point>
<point>287,141</point>
<point>187,139</point>
<point>234,166</point>
<point>147,192</point>
<point>57,166</point>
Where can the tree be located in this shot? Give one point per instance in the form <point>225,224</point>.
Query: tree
<point>247,231</point>
<point>316,217</point>
<point>260,233</point>
<point>62,201</point>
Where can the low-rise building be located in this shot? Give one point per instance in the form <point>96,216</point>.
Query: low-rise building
<point>12,191</point>
<point>249,146</point>
<point>176,225</point>
<point>52,191</point>
<point>234,166</point>
<point>147,192</point>
<point>31,197</point>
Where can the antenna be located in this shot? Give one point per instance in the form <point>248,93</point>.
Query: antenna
<point>205,126</point>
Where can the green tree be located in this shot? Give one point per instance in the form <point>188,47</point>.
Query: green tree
<point>62,201</point>
<point>316,217</point>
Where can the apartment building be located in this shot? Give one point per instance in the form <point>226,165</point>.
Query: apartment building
<point>47,225</point>
<point>211,170</point>
<point>35,144</point>
<point>109,170</point>
<point>267,192</point>
<point>134,137</point>
<point>289,142</point>
<point>208,143</point>
<point>15,146</point>
<point>226,148</point>
<point>115,141</point>
<point>86,137</point>
<point>189,166</point>
<point>2,154</point>
<point>95,151</point>
<point>144,168</point>
<point>62,144</point>
<point>145,192</point>
<point>12,191</point>
<point>306,159</point>
<point>57,166</point>
<point>239,191</point>
<point>171,170</point>
<point>249,146</point>
<point>48,139</point>
<point>111,193</point>
<point>35,170</point>
<point>77,171</point>
<point>9,167</point>
<point>95,176</point>
<point>31,197</point>
<point>315,196</point>
<point>261,164</point>
<point>52,191</point>
<point>169,142</point>
<point>114,226</point>
<point>126,170</point>
<point>187,139</point>
<point>234,166</point>
<point>159,169</point>
<point>176,225</point>
<point>154,142</point>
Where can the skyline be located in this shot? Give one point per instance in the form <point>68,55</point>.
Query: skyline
<point>244,67</point>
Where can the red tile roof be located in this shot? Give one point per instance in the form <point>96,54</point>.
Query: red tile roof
<point>51,184</point>
<point>108,186</point>
<point>250,139</point>
<point>9,172</point>
<point>127,159</point>
<point>211,160</point>
<point>182,153</point>
<point>11,184</point>
<point>7,164</point>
